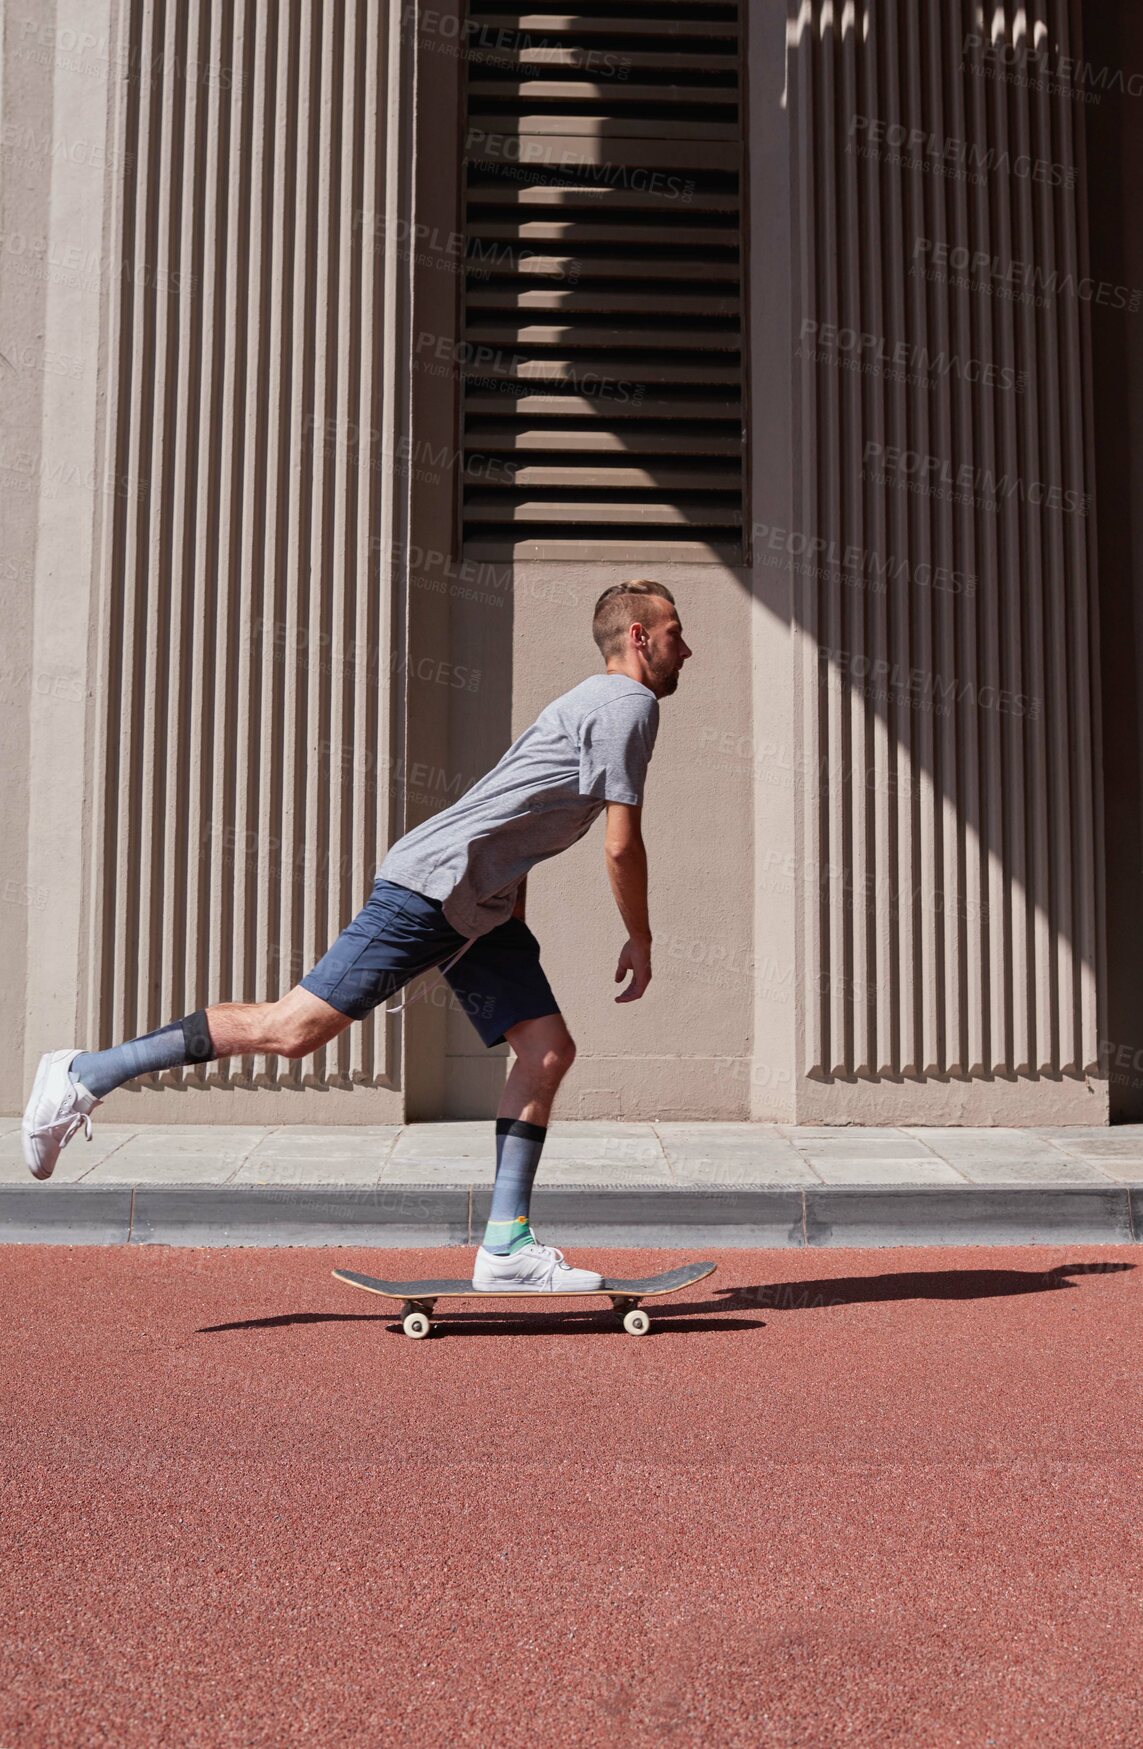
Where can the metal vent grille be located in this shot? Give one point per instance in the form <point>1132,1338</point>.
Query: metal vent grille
<point>601,359</point>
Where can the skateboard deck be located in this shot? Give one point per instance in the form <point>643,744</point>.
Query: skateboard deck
<point>419,1297</point>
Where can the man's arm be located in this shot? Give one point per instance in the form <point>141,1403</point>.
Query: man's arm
<point>518,907</point>
<point>626,857</point>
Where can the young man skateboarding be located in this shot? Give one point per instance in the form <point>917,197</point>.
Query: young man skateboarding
<point>450,893</point>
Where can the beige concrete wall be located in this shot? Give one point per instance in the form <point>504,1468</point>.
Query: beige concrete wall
<point>208,488</point>
<point>56,166</point>
<point>684,1049</point>
<point>163,490</point>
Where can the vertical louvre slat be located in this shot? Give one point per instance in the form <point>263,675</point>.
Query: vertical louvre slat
<point>897,713</point>
<point>972,412</point>
<point>176,854</point>
<point>1080,562</point>
<point>879,920</point>
<point>253,979</point>
<point>808,630</point>
<point>942,709</point>
<point>926,965</point>
<point>1026,247</point>
<point>829,460</point>
<point>370,778</point>
<point>245,739</point>
<point>277,199</point>
<point>1057,714</point>
<point>193,574</point>
<point>225,506</point>
<point>970,794</point>
<point>327,437</point>
<point>854,411</point>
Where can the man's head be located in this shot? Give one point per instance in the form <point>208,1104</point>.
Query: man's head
<point>637,628</point>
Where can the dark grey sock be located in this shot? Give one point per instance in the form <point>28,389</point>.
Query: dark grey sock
<point>169,1047</point>
<point>518,1146</point>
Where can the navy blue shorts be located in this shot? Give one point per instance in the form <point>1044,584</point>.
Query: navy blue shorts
<point>398,934</point>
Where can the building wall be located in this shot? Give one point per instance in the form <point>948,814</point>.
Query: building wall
<point>946,644</point>
<point>259,465</point>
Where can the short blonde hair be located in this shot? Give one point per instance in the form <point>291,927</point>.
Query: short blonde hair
<point>619,607</point>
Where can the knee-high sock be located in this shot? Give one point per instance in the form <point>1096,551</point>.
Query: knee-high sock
<point>518,1146</point>
<point>182,1041</point>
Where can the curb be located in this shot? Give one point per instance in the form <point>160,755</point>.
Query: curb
<point>413,1215</point>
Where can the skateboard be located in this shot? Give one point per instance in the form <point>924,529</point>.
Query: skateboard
<point>419,1298</point>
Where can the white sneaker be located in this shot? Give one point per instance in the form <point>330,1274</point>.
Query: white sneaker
<point>533,1269</point>
<point>58,1107</point>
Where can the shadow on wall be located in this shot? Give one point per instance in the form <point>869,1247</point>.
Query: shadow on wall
<point>940,567</point>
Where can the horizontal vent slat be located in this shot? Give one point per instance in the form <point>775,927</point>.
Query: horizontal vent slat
<point>614,199</point>
<point>605,95</point>
<point>572,267</point>
<point>631,373</point>
<point>526,334</point>
<point>574,232</point>
<point>600,145</point>
<point>651,303</point>
<point>558,130</point>
<point>664,476</point>
<point>697,511</point>
<point>635,60</point>
<point>579,24</point>
<point>486,441</point>
<point>531,406</point>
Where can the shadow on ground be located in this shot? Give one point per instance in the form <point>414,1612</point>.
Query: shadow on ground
<point>779,1296</point>
<point>592,1321</point>
<point>925,1284</point>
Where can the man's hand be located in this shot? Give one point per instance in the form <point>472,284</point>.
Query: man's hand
<point>518,907</point>
<point>636,959</point>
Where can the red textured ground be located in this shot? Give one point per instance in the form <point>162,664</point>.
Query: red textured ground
<point>880,1497</point>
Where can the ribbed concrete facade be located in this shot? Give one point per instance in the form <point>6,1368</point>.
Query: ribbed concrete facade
<point>246,627</point>
<point>247,648</point>
<point>946,681</point>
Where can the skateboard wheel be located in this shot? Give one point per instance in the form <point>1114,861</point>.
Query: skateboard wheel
<point>416,1325</point>
<point>636,1323</point>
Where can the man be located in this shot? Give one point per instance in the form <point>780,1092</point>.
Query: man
<point>450,893</point>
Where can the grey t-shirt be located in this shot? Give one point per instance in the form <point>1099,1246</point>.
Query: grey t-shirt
<point>588,747</point>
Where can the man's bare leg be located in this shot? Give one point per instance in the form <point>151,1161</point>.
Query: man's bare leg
<point>296,1025</point>
<point>545,1051</point>
<point>70,1084</point>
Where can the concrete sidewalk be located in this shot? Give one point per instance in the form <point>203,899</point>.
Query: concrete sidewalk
<point>600,1183</point>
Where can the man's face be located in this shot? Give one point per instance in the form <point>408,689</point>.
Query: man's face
<point>665,652</point>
